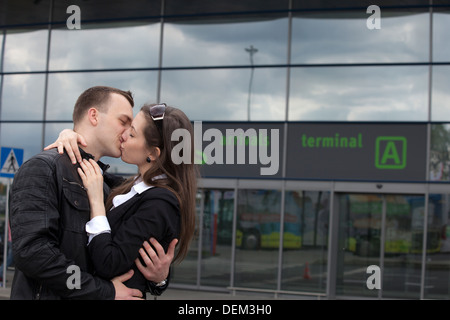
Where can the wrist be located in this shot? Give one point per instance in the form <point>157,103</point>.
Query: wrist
<point>97,209</point>
<point>161,283</point>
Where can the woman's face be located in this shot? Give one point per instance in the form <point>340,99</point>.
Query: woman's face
<point>134,148</point>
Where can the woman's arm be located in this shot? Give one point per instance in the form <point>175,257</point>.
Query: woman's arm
<point>153,217</point>
<point>69,140</point>
<point>112,253</point>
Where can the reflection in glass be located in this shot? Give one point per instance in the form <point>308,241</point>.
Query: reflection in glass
<point>439,152</point>
<point>343,37</point>
<point>23,97</point>
<point>217,237</point>
<point>305,241</point>
<point>440,94</point>
<point>403,246</point>
<point>257,235</point>
<point>65,88</point>
<point>441,49</point>
<point>26,136</point>
<point>437,271</point>
<point>25,51</point>
<point>359,94</point>
<point>193,44</point>
<point>114,47</point>
<point>359,238</point>
<point>367,219</point>
<point>222,94</point>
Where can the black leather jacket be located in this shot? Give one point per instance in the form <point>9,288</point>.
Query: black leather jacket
<point>49,210</point>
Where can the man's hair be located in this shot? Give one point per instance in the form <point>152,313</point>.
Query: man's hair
<point>97,97</point>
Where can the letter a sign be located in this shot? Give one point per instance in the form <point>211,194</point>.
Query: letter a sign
<point>10,161</point>
<point>390,152</point>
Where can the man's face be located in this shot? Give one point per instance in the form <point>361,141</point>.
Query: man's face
<point>113,124</point>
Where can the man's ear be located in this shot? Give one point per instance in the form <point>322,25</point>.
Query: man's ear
<point>93,116</point>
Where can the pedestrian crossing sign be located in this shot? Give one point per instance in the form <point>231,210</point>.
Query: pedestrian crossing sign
<point>10,161</point>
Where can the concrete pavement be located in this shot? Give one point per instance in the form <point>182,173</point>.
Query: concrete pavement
<point>172,293</point>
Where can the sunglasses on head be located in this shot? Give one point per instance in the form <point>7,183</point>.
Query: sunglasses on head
<point>157,113</point>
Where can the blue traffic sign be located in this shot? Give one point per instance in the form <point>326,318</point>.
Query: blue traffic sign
<point>10,161</point>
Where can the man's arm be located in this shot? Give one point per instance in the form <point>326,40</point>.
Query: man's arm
<point>35,234</point>
<point>157,265</point>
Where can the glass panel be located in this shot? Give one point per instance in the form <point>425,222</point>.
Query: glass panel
<point>179,7</point>
<point>439,153</point>
<point>361,228</point>
<point>257,235</point>
<point>403,246</point>
<point>65,88</point>
<point>216,44</point>
<point>343,37</point>
<point>358,5</point>
<point>23,97</point>
<point>25,12</point>
<point>112,9</point>
<point>25,50</point>
<point>1,50</point>
<point>217,237</point>
<point>225,93</point>
<point>305,241</point>
<point>440,94</point>
<point>112,47</point>
<point>359,242</point>
<point>26,136</point>
<point>186,272</point>
<point>437,271</point>
<point>359,94</point>
<point>441,49</point>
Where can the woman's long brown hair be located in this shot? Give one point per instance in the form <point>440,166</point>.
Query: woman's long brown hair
<point>181,178</point>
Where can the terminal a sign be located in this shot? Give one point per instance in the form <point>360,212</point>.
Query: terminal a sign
<point>356,151</point>
<point>319,151</point>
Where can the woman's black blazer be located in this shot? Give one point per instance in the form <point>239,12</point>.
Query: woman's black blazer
<point>153,213</point>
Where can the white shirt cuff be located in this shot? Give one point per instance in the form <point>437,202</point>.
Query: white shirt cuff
<point>96,226</point>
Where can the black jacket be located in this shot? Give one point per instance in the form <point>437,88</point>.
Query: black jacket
<point>49,210</point>
<point>153,213</point>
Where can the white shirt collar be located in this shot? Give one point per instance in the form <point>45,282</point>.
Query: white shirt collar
<point>139,187</point>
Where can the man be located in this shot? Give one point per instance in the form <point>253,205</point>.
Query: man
<point>50,208</point>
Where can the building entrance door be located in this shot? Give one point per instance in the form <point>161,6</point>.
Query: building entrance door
<point>381,230</point>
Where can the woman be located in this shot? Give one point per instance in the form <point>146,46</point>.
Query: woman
<point>159,202</point>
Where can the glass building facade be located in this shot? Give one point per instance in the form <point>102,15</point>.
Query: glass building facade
<point>288,63</point>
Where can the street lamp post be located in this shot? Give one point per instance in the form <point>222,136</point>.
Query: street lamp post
<point>252,50</point>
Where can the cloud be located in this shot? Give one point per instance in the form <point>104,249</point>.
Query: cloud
<point>105,48</point>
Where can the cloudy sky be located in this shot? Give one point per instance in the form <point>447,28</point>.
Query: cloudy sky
<point>315,93</point>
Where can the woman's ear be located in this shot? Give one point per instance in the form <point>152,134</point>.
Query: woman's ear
<point>156,152</point>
